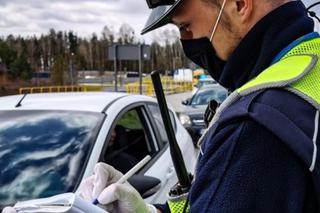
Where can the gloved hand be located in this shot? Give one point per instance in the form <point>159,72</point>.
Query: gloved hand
<point>9,210</point>
<point>114,197</point>
<point>123,198</point>
<point>103,176</point>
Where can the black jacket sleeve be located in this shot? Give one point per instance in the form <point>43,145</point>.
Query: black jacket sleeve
<point>245,168</point>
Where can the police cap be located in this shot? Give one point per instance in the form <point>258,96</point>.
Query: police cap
<point>161,13</point>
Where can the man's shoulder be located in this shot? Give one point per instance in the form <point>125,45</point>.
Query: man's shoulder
<point>274,116</point>
<point>280,102</point>
<point>284,101</point>
<point>286,104</point>
<point>277,111</point>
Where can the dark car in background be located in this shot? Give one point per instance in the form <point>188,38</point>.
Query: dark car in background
<point>192,115</point>
<point>203,81</point>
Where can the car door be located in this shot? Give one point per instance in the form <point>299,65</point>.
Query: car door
<point>163,167</point>
<point>135,138</point>
<point>184,140</point>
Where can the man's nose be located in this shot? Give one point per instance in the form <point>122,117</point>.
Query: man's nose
<point>186,34</point>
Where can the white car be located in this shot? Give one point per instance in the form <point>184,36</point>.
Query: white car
<point>50,142</point>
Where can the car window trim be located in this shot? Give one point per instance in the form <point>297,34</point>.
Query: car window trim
<point>154,159</point>
<point>94,141</point>
<point>155,127</point>
<point>142,112</point>
<point>112,102</point>
<point>148,123</point>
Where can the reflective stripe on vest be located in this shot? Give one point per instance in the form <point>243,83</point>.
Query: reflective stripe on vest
<point>298,72</point>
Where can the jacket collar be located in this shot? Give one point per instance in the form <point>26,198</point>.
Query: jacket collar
<point>264,42</point>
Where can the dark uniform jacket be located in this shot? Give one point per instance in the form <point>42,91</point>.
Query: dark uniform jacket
<point>245,166</point>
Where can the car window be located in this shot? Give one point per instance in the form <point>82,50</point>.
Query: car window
<point>155,111</point>
<point>130,120</point>
<point>130,141</point>
<point>43,153</point>
<point>203,97</point>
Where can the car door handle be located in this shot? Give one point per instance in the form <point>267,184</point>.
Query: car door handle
<point>170,172</point>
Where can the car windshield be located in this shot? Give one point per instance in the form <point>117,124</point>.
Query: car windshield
<point>43,153</point>
<point>204,96</point>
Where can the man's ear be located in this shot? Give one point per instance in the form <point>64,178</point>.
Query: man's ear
<point>244,9</point>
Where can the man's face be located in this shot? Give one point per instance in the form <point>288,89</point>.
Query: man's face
<point>194,19</point>
<point>112,138</point>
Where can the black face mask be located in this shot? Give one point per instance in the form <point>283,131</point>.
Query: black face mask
<point>202,53</point>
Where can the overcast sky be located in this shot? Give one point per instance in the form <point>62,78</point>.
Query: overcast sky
<point>29,17</point>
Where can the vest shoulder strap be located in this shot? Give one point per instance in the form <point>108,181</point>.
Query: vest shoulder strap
<point>282,74</point>
<point>298,72</point>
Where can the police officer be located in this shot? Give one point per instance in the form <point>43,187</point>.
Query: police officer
<point>260,152</point>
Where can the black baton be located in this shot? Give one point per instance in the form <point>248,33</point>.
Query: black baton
<point>178,162</point>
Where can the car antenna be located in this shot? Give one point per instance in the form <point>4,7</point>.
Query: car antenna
<point>19,103</point>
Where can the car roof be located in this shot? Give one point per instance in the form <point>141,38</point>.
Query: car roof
<point>212,86</point>
<point>207,79</point>
<point>78,101</point>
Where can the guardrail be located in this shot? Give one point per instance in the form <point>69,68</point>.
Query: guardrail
<point>169,87</point>
<point>51,89</point>
<point>98,87</point>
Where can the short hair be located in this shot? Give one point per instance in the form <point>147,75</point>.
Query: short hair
<point>213,2</point>
<point>219,2</point>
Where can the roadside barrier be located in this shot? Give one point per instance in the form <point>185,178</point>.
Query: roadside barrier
<point>98,87</point>
<point>169,86</point>
<point>51,89</point>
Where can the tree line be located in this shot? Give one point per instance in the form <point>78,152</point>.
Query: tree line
<point>61,51</point>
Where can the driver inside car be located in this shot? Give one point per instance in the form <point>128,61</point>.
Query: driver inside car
<point>117,154</point>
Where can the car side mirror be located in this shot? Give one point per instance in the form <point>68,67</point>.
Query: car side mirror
<point>186,102</point>
<point>145,185</point>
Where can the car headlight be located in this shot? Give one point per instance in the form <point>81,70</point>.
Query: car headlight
<point>185,120</point>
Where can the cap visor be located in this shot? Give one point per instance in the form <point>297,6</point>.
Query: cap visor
<point>159,17</point>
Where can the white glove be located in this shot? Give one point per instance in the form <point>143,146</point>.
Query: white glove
<point>120,198</point>
<point>123,198</point>
<point>9,210</point>
<point>103,176</point>
<point>92,186</point>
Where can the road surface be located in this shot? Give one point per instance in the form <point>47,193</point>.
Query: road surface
<point>175,100</point>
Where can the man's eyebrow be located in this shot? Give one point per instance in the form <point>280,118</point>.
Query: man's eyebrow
<point>181,24</point>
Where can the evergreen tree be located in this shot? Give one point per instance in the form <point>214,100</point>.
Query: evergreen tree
<point>59,71</point>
